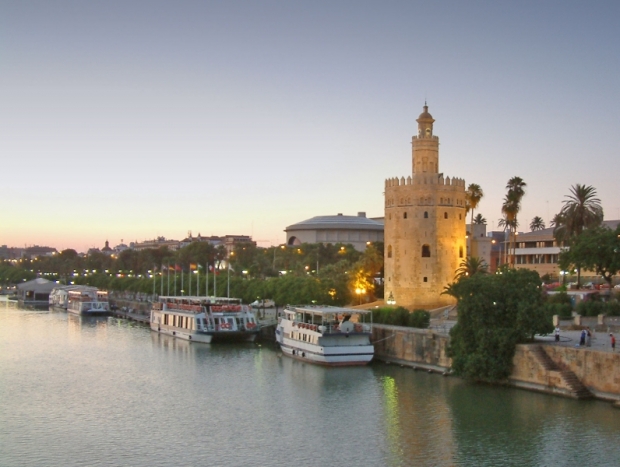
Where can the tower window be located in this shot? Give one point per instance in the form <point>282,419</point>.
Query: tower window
<point>459,217</point>
<point>404,215</point>
<point>445,215</point>
<point>425,214</point>
<point>425,279</point>
<point>389,251</point>
<point>426,251</point>
<point>460,252</point>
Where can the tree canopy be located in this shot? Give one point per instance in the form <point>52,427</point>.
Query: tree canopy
<point>595,249</point>
<point>495,312</point>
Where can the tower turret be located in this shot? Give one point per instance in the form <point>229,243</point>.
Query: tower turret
<point>425,146</point>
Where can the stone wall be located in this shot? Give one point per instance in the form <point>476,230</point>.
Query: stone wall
<point>599,371</point>
<point>553,369</point>
<point>420,348</point>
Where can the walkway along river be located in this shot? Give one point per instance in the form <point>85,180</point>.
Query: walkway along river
<point>107,391</point>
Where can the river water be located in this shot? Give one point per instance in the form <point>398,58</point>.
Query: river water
<point>107,392</point>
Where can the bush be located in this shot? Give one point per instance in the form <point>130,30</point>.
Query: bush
<point>563,310</point>
<point>591,308</point>
<point>561,298</point>
<point>419,319</point>
<point>612,308</point>
<point>400,316</point>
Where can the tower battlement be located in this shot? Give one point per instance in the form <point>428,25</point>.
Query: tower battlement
<point>431,179</point>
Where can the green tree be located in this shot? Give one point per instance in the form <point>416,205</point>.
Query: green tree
<point>596,249</point>
<point>471,266</point>
<point>495,313</point>
<point>582,210</point>
<point>479,220</point>
<point>510,209</point>
<point>473,195</point>
<point>537,224</point>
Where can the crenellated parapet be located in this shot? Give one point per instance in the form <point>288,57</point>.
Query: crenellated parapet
<point>427,179</point>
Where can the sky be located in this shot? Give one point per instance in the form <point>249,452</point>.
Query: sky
<point>127,120</point>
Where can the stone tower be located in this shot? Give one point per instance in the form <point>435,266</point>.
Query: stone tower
<point>425,236</point>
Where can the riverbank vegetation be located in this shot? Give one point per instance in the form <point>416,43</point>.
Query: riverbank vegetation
<point>335,274</point>
<point>496,312</point>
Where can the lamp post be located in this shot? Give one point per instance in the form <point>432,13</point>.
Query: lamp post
<point>390,300</point>
<point>360,291</point>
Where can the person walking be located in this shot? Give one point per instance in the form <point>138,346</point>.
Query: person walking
<point>613,342</point>
<point>557,333</point>
<point>582,339</point>
<point>588,337</point>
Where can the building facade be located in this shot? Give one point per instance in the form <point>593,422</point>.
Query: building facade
<point>358,230</point>
<point>425,235</point>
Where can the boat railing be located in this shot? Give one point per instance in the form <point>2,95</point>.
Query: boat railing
<point>333,328</point>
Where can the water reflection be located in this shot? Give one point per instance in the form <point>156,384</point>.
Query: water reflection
<point>104,391</point>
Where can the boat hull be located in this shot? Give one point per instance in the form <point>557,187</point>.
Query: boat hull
<point>205,337</point>
<point>347,356</point>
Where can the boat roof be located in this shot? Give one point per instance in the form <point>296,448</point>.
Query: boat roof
<point>210,299</point>
<point>325,309</point>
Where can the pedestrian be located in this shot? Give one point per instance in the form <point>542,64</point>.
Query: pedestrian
<point>588,337</point>
<point>613,342</point>
<point>582,339</point>
<point>557,333</point>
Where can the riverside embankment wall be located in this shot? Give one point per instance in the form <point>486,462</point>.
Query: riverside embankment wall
<point>598,371</point>
<point>419,348</point>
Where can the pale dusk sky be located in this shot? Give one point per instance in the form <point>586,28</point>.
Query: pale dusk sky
<point>136,119</point>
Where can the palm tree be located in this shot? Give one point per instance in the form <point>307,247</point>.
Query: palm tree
<point>582,210</point>
<point>559,228</point>
<point>470,267</point>
<point>473,195</point>
<point>516,185</point>
<point>511,207</point>
<point>479,220</point>
<point>537,224</point>
<point>507,224</point>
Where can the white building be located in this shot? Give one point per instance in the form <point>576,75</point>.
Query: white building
<point>358,230</point>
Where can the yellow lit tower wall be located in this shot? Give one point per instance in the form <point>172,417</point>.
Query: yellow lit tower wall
<point>424,226</point>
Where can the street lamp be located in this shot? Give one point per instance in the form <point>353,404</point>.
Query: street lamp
<point>360,291</point>
<point>390,300</point>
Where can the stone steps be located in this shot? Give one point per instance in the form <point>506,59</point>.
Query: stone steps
<point>577,389</point>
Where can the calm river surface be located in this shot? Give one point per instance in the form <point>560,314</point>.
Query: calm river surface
<point>103,391</point>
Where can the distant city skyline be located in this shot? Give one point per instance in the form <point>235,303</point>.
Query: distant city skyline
<point>133,120</point>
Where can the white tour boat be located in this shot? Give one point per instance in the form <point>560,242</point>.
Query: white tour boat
<point>204,319</point>
<point>325,335</point>
<point>59,296</point>
<point>88,301</point>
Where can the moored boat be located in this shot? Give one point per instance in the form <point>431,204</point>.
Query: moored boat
<point>204,319</point>
<point>59,296</point>
<point>326,335</point>
<point>88,302</point>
